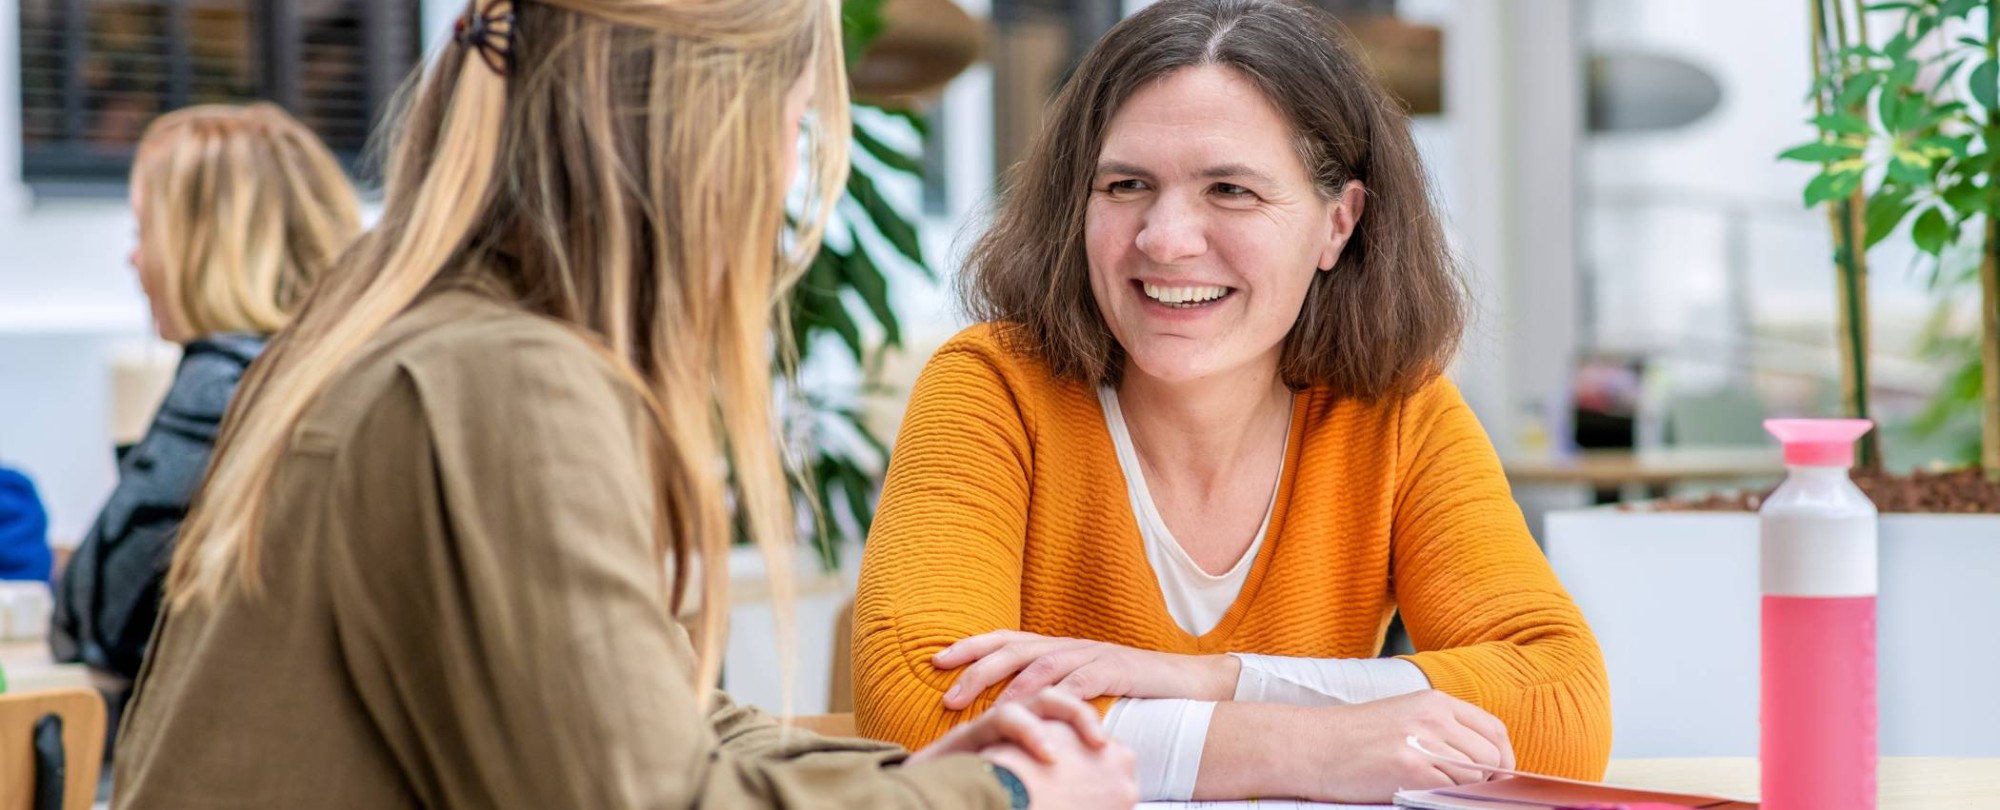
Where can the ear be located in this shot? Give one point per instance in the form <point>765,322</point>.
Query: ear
<point>1343,219</point>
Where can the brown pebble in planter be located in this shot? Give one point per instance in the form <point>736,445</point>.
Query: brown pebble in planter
<point>1963,491</point>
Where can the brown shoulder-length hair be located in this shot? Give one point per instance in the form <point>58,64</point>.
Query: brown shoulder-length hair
<point>1385,320</point>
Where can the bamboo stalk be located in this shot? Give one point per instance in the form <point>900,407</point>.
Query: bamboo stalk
<point>1989,338</point>
<point>1847,220</point>
<point>1989,283</point>
<point>1851,288</point>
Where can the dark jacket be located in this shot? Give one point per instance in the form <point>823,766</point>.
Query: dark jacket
<point>110,593</point>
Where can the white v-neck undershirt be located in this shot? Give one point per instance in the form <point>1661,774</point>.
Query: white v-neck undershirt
<point>1167,736</point>
<point>1195,598</point>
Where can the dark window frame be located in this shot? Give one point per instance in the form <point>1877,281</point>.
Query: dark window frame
<point>389,47</point>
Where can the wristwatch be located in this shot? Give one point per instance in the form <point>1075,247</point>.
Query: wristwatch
<point>1017,793</point>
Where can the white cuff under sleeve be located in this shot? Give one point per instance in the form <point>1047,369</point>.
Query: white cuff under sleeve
<point>1167,737</point>
<point>1325,681</point>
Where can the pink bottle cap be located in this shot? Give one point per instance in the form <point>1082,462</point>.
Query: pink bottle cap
<point>1818,442</point>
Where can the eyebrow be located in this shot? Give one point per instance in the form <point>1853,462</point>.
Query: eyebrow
<point>1219,172</point>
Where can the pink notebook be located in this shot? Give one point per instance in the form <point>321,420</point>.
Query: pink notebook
<point>1515,790</point>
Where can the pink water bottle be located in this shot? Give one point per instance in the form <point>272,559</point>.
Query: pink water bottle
<point>1819,577</point>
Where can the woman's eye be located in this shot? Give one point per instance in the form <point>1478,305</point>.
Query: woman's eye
<point>1118,186</point>
<point>1231,190</point>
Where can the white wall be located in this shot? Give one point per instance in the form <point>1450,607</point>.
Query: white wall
<point>1661,265</point>
<point>67,302</point>
<point>68,306</point>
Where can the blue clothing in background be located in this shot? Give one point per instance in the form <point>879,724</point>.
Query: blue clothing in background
<point>24,530</point>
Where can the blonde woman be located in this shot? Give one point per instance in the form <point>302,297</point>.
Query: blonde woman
<point>448,525</point>
<point>239,209</point>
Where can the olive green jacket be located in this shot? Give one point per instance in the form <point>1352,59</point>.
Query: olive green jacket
<point>460,607</point>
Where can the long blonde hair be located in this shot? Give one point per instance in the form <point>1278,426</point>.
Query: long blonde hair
<point>244,207</point>
<point>623,176</point>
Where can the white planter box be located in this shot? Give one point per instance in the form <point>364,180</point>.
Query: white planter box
<point>1673,598</point>
<point>751,669</point>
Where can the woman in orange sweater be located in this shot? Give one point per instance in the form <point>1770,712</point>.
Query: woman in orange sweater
<point>1200,453</point>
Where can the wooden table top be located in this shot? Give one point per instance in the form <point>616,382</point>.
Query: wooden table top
<point>29,667</point>
<point>1907,783</point>
<point>1610,468</point>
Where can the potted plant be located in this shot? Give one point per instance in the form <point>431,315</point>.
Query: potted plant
<point>1905,123</point>
<point>840,315</point>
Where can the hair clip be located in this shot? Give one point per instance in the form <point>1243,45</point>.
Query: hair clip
<point>490,32</point>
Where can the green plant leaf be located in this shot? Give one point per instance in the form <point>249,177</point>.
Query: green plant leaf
<point>885,153</point>
<point>1889,109</point>
<point>1966,197</point>
<point>861,22</point>
<point>1903,73</point>
<point>1857,89</point>
<point>859,491</point>
<point>1960,8</point>
<point>1820,152</point>
<point>1911,113</point>
<point>1844,183</point>
<point>816,305</point>
<point>1950,72</point>
<point>1930,231</point>
<point>1985,83</point>
<point>1844,123</point>
<point>1959,394</point>
<point>1929,121</point>
<point>867,436</point>
<point>1892,6</point>
<point>1820,190</point>
<point>1926,23</point>
<point>1885,211</point>
<point>1913,172</point>
<point>866,279</point>
<point>890,223</point>
<point>917,122</point>
<point>1898,46</point>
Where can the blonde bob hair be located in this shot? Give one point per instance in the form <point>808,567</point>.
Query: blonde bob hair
<point>618,167</point>
<point>242,208</point>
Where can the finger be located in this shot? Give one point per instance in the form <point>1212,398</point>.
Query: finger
<point>1043,672</point>
<point>1064,708</point>
<point>1010,724</point>
<point>972,648</point>
<point>995,667</point>
<point>1457,774</point>
<point>1476,748</point>
<point>1487,726</point>
<point>1083,683</point>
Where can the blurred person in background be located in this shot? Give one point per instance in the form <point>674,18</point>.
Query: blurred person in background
<point>239,210</point>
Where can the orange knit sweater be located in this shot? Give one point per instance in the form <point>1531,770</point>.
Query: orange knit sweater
<point>1005,508</point>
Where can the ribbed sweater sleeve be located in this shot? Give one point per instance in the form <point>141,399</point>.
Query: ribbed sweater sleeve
<point>944,559</point>
<point>1476,592</point>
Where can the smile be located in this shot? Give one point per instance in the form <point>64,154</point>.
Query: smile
<point>1185,297</point>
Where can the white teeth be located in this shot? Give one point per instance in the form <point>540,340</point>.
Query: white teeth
<point>1183,295</point>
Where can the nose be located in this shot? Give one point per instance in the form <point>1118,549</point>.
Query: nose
<point>1172,231</point>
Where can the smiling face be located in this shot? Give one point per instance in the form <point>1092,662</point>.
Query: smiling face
<point>1204,229</point>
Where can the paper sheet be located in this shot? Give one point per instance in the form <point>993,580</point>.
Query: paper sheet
<point>1528,791</point>
<point>1259,804</point>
